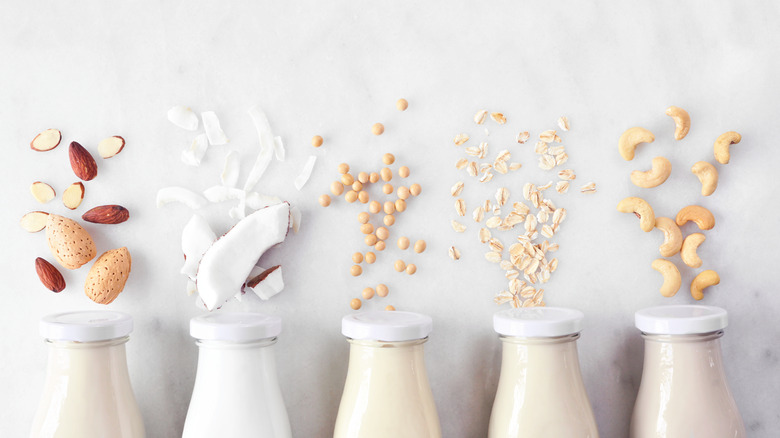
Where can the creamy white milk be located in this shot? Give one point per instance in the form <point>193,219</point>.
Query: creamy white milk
<point>87,393</point>
<point>684,392</point>
<point>386,393</point>
<point>540,391</point>
<point>236,392</point>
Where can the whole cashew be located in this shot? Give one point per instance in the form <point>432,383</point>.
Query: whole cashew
<point>641,209</point>
<point>630,139</point>
<point>722,144</point>
<point>682,121</point>
<point>703,280</point>
<point>703,217</point>
<point>671,274</point>
<point>672,236</point>
<point>654,177</point>
<point>689,247</point>
<point>708,176</point>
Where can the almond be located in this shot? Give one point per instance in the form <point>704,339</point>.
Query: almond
<point>34,221</point>
<point>108,147</point>
<point>46,140</point>
<point>71,245</point>
<point>107,277</point>
<point>42,192</point>
<point>49,275</point>
<point>107,214</point>
<point>81,162</point>
<point>73,195</point>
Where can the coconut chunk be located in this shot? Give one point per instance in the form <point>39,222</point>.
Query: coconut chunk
<point>266,147</point>
<point>193,154</point>
<point>279,151</point>
<point>196,238</point>
<point>180,194</point>
<point>265,283</point>
<point>303,177</point>
<point>213,130</point>
<point>228,262</point>
<point>183,117</point>
<point>295,221</point>
<point>232,169</point>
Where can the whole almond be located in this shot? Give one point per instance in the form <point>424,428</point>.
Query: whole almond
<point>70,244</point>
<point>49,275</point>
<point>107,277</point>
<point>107,214</point>
<point>81,162</point>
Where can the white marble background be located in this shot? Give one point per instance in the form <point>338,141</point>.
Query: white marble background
<point>95,69</point>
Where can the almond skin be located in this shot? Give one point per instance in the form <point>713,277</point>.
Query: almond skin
<point>49,275</point>
<point>108,276</point>
<point>107,214</point>
<point>46,140</point>
<point>82,163</point>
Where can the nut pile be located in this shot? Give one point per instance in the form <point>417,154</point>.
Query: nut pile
<point>538,220</point>
<point>70,244</point>
<point>382,212</point>
<point>674,242</point>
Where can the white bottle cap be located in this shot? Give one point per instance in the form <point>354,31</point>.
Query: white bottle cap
<point>681,320</point>
<point>235,326</point>
<point>538,322</point>
<point>86,326</point>
<point>387,326</point>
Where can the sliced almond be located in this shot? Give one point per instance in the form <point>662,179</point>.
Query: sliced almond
<point>108,147</point>
<point>73,195</point>
<point>34,221</point>
<point>42,192</point>
<point>46,140</point>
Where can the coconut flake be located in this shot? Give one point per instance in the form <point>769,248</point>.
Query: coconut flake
<point>279,151</point>
<point>200,304</point>
<point>295,222</point>
<point>239,211</point>
<point>194,153</point>
<point>266,147</point>
<point>183,117</point>
<point>227,263</point>
<point>303,177</point>
<point>196,238</point>
<point>256,201</point>
<point>231,170</point>
<point>179,194</point>
<point>265,283</point>
<point>218,194</point>
<point>213,130</point>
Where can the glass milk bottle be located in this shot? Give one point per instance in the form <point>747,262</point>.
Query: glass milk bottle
<point>684,392</point>
<point>386,394</point>
<point>540,392</point>
<point>236,391</point>
<point>87,393</point>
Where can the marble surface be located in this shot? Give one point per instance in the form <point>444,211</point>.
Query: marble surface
<point>95,69</point>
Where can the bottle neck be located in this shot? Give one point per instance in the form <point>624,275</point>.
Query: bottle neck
<point>556,356</point>
<point>684,356</point>
<point>396,357</point>
<point>221,362</point>
<point>87,358</point>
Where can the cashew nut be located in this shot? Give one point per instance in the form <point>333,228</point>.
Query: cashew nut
<point>708,176</point>
<point>672,236</point>
<point>654,177</point>
<point>641,209</point>
<point>682,121</point>
<point>689,247</point>
<point>703,217</point>
<point>672,278</point>
<point>630,139</point>
<point>722,145</point>
<point>703,280</point>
